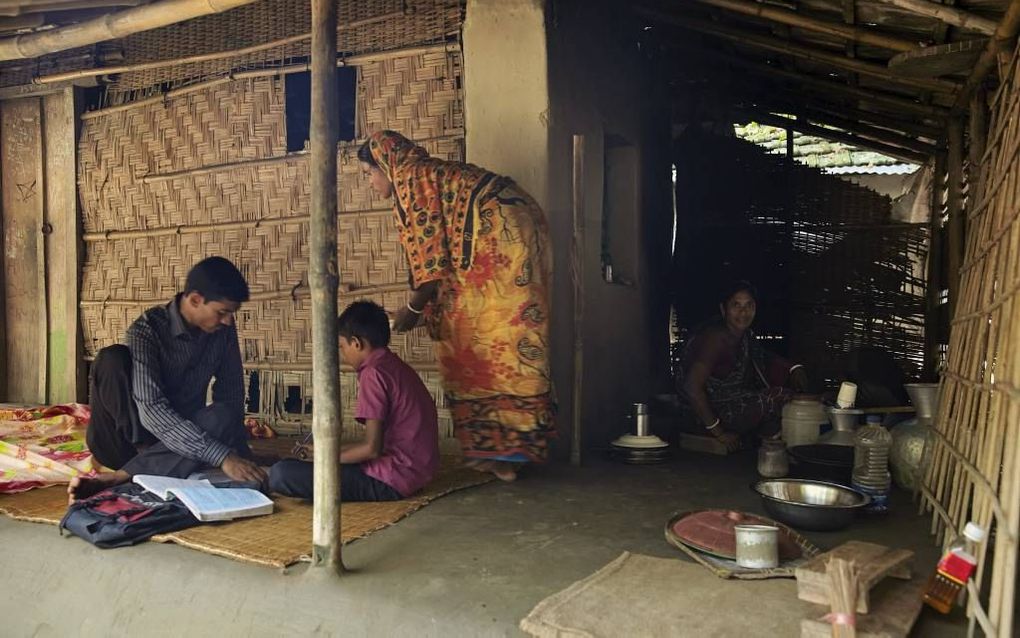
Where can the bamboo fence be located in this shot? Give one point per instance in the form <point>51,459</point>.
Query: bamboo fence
<point>835,271</point>
<point>974,473</point>
<point>204,169</point>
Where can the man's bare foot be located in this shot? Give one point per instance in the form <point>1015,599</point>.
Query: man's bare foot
<point>81,487</point>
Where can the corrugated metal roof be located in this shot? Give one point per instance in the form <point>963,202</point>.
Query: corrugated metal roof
<point>893,169</point>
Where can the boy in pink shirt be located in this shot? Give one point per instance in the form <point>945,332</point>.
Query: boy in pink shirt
<point>400,452</point>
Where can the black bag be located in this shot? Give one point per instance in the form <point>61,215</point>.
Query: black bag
<point>125,515</point>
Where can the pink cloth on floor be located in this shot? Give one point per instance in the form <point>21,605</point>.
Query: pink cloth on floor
<point>43,446</point>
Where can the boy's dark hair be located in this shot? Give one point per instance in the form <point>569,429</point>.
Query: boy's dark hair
<point>367,321</point>
<point>365,154</point>
<point>732,288</point>
<point>216,279</point>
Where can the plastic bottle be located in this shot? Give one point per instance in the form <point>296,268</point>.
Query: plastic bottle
<point>954,570</point>
<point>871,463</point>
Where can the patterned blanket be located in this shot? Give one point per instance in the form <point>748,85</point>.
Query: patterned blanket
<point>43,446</point>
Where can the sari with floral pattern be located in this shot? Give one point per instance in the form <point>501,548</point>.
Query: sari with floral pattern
<point>484,240</point>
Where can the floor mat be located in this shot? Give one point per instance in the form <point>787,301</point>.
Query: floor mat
<point>278,540</point>
<point>637,595</point>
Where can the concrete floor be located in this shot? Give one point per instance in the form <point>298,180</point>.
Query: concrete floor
<point>470,564</point>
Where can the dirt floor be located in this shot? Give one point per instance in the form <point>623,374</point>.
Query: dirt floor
<point>471,564</point>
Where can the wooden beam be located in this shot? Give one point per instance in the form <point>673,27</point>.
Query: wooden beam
<point>206,57</point>
<point>577,274</point>
<point>949,15</point>
<point>827,86</point>
<point>793,19</point>
<point>933,323</point>
<point>761,115</point>
<point>855,128</point>
<point>108,27</point>
<point>812,54</point>
<point>324,280</point>
<point>1002,41</point>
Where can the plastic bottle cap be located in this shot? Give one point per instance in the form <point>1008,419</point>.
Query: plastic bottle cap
<point>972,531</point>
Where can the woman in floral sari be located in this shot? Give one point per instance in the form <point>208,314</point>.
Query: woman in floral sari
<point>477,247</point>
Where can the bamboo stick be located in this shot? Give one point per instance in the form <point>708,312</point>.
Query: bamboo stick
<point>932,323</point>
<point>810,129</point>
<point>812,54</point>
<point>955,228</point>
<point>144,233</point>
<point>577,274</point>
<point>324,280</point>
<point>206,57</point>
<point>947,14</point>
<point>354,60</point>
<point>205,170</point>
<point>111,26</point>
<point>300,290</point>
<point>802,81</point>
<point>1001,40</point>
<point>793,19</point>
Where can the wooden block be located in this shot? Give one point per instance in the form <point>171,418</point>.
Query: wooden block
<point>896,606</point>
<point>706,444</point>
<point>874,563</point>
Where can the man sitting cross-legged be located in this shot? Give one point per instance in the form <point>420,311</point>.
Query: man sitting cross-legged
<point>148,398</point>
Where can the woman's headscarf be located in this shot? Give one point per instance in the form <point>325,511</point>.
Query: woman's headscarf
<point>433,200</point>
<point>392,151</point>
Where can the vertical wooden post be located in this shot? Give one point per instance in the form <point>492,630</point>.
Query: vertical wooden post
<point>324,280</point>
<point>955,228</point>
<point>62,233</point>
<point>933,309</point>
<point>789,143</point>
<point>978,138</point>
<point>577,274</point>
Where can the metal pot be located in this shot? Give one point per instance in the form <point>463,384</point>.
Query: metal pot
<point>811,505</point>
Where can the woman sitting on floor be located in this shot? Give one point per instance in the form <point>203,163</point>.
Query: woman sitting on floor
<point>729,386</point>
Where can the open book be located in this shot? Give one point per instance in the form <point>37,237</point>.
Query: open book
<point>205,501</point>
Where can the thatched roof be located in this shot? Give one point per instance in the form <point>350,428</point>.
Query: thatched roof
<point>828,61</point>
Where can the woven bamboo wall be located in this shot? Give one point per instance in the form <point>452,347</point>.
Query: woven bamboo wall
<point>974,471</point>
<point>834,272</point>
<point>144,228</point>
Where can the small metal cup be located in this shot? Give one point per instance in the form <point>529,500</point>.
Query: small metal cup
<point>757,546</point>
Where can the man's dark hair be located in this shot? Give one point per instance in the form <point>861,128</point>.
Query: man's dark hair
<point>365,154</point>
<point>216,279</point>
<point>367,321</point>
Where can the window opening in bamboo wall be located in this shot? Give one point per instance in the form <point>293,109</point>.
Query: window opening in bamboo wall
<point>298,89</point>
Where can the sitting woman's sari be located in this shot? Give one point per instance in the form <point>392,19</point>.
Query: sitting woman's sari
<point>745,388</point>
<point>485,241</point>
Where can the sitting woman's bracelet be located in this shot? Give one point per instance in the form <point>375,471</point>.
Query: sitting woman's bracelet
<point>413,309</point>
<point>713,426</point>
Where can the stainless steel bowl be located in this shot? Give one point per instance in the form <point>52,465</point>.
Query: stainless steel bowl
<point>812,505</point>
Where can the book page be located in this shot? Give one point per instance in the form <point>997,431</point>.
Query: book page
<point>161,485</point>
<point>217,504</point>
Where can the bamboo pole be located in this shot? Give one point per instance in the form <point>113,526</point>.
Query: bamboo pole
<point>793,19</point>
<point>819,56</point>
<point>241,224</point>
<point>825,87</point>
<point>810,129</point>
<point>856,128</point>
<point>354,60</point>
<point>933,313</point>
<point>323,275</point>
<point>205,170</point>
<point>1002,40</point>
<point>206,57</point>
<point>577,274</point>
<point>111,26</point>
<point>300,290</point>
<point>947,14</point>
<point>955,228</point>
<point>977,134</point>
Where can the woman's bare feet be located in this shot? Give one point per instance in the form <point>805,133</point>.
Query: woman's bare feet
<point>80,487</point>
<point>504,471</point>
